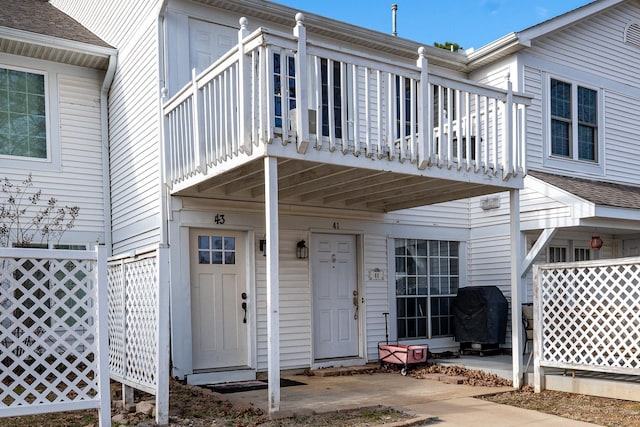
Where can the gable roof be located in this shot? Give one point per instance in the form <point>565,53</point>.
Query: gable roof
<point>517,41</point>
<point>597,192</point>
<point>35,28</point>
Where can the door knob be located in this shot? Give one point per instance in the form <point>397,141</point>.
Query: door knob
<point>244,307</point>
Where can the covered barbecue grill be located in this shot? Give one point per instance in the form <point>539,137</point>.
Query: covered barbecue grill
<point>480,318</point>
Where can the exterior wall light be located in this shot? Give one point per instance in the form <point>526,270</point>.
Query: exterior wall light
<point>302,251</point>
<point>595,243</point>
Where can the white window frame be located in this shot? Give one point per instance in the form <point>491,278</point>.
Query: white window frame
<point>50,72</point>
<point>573,163</point>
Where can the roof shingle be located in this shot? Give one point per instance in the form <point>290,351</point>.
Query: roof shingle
<point>598,192</point>
<point>41,17</point>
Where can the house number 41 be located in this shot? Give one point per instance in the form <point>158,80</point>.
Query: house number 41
<point>219,219</point>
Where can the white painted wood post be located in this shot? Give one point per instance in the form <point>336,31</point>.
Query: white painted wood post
<point>273,285</point>
<point>102,294</point>
<point>162,350</point>
<point>538,371</point>
<point>244,90</point>
<point>516,299</point>
<point>302,96</point>
<point>198,119</point>
<point>508,138</point>
<point>127,391</point>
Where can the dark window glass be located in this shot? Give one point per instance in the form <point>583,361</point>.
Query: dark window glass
<point>427,277</point>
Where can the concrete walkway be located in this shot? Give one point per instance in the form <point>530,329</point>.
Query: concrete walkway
<point>435,402</point>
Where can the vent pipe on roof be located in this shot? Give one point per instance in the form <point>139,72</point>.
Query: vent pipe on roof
<point>394,9</point>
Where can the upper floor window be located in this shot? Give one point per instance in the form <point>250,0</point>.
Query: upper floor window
<point>23,123</point>
<point>574,121</point>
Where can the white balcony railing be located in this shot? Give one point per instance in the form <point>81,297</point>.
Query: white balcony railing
<point>279,88</point>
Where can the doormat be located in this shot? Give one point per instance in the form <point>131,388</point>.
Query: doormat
<point>249,386</point>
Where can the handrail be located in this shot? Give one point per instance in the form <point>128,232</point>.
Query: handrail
<point>339,99</point>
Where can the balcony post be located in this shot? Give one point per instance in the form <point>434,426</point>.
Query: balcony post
<point>244,90</point>
<point>508,133</point>
<point>425,106</point>
<point>198,118</point>
<point>302,101</point>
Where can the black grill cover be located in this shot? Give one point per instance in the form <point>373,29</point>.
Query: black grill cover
<point>480,315</point>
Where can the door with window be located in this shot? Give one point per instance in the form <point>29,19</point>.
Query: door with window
<point>427,279</point>
<point>335,296</point>
<point>218,299</point>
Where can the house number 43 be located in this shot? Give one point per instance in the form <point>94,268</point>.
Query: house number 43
<point>219,219</point>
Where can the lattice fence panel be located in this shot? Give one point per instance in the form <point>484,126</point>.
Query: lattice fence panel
<point>590,315</point>
<point>49,346</point>
<point>115,274</point>
<point>133,321</point>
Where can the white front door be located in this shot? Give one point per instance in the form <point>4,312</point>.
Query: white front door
<point>335,296</point>
<point>218,299</point>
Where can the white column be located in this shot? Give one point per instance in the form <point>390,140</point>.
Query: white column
<point>302,97</point>
<point>516,297</point>
<point>273,285</point>
<point>163,344</point>
<point>102,294</point>
<point>244,91</point>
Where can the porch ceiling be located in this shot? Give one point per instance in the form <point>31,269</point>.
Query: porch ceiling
<point>311,184</point>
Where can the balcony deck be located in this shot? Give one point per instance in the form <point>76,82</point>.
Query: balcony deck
<point>345,126</point>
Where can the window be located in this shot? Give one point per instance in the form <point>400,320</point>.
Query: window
<point>403,103</point>
<point>574,121</point>
<point>581,254</point>
<point>557,254</point>
<point>427,279</point>
<point>335,92</point>
<point>284,74</point>
<point>23,124</point>
<point>216,250</point>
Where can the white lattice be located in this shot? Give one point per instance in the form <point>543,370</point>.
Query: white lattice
<point>49,346</point>
<point>133,320</point>
<point>138,325</point>
<point>590,315</point>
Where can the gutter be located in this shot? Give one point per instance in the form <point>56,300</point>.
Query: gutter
<point>165,198</point>
<point>106,160</point>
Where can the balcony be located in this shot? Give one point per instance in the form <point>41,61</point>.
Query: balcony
<point>349,129</point>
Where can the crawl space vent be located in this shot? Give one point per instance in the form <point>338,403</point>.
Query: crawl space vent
<point>632,35</point>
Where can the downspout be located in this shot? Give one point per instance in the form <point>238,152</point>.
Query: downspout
<point>165,199</point>
<point>106,163</point>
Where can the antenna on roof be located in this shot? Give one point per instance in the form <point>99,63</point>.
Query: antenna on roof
<point>394,9</point>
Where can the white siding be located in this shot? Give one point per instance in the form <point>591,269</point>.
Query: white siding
<point>135,145</point>
<point>451,214</point>
<point>592,53</point>
<point>622,143</point>
<point>115,21</point>
<point>134,124</point>
<point>295,297</point>
<point>75,134</point>
<point>596,45</point>
<point>376,293</point>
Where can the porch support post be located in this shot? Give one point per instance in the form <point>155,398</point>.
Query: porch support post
<point>516,298</point>
<point>302,97</point>
<point>425,105</point>
<point>273,285</point>
<point>244,91</point>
